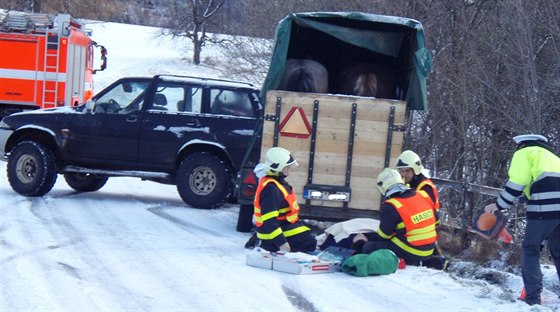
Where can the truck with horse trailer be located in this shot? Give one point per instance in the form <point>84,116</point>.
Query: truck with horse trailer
<point>343,137</point>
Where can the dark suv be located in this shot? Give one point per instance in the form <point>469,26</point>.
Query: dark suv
<point>187,131</point>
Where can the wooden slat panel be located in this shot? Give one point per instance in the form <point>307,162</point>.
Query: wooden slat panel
<point>332,139</point>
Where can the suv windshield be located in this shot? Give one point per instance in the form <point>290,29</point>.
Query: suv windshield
<point>125,97</point>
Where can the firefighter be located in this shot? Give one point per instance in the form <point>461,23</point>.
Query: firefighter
<point>407,221</point>
<point>276,208</point>
<point>535,173</point>
<point>413,173</point>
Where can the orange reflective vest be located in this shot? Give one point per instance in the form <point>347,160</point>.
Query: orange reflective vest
<point>290,213</point>
<point>434,190</point>
<point>418,218</point>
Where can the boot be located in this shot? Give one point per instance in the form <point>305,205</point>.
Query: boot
<point>252,242</point>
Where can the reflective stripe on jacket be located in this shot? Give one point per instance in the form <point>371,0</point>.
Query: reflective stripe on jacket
<point>418,223</point>
<point>535,172</point>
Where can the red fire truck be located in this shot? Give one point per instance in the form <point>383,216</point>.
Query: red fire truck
<point>46,61</point>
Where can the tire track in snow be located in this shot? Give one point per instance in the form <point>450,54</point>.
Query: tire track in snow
<point>180,247</point>
<point>138,248</point>
<point>89,239</point>
<point>297,300</point>
<point>159,211</point>
<point>61,230</point>
<point>125,268</point>
<point>31,268</point>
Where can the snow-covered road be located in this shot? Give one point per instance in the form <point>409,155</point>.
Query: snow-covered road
<point>113,250</point>
<point>134,246</point>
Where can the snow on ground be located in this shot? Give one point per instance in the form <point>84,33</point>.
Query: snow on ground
<point>135,246</point>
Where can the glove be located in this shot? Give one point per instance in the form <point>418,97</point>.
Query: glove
<point>285,247</point>
<point>492,208</point>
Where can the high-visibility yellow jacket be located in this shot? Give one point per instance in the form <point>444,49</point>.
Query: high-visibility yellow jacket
<point>535,172</point>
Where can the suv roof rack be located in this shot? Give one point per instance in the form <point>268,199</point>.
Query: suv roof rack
<point>232,83</point>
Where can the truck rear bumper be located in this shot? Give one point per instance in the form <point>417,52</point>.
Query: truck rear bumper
<point>4,135</point>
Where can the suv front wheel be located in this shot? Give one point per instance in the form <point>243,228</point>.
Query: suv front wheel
<point>203,180</point>
<point>31,169</point>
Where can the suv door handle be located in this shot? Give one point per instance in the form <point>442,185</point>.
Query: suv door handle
<point>132,118</point>
<point>194,123</point>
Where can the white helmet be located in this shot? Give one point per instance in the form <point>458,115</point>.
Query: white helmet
<point>277,158</point>
<point>409,159</point>
<point>387,179</point>
<point>529,137</point>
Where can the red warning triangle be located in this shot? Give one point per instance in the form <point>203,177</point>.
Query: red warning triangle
<point>295,124</point>
<point>250,178</point>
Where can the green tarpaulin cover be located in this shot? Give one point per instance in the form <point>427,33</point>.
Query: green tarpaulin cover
<point>326,35</point>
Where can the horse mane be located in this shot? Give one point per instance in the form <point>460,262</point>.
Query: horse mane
<point>368,79</point>
<point>365,85</point>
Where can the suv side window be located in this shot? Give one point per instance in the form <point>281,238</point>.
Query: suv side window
<point>231,102</point>
<point>171,97</point>
<point>167,97</point>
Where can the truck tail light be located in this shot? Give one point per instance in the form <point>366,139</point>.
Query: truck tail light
<point>248,185</point>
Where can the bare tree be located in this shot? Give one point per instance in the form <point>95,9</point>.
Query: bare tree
<point>261,17</point>
<point>190,19</point>
<point>247,58</point>
<point>22,5</point>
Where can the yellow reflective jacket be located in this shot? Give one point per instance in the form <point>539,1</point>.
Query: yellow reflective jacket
<point>535,172</point>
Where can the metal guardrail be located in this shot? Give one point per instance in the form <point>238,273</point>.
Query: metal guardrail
<point>468,190</point>
<point>469,187</point>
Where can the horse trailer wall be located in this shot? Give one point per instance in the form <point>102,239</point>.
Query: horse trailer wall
<point>341,144</point>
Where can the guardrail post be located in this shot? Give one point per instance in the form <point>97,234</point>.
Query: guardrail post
<point>467,214</point>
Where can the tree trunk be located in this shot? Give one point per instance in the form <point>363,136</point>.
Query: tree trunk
<point>197,48</point>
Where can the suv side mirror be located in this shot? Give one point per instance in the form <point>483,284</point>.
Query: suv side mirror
<point>90,104</point>
<point>127,87</point>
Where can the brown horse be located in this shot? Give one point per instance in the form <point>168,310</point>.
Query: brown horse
<point>304,75</point>
<point>367,79</point>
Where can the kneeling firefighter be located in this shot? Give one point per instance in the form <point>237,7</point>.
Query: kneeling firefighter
<point>276,208</point>
<point>407,221</point>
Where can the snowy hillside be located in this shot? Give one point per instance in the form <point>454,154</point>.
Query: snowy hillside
<point>139,51</point>
<point>135,246</point>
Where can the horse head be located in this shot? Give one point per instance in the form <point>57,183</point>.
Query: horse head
<point>367,79</point>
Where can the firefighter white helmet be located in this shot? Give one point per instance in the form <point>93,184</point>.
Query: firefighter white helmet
<point>277,158</point>
<point>387,179</point>
<point>409,159</point>
<point>529,137</point>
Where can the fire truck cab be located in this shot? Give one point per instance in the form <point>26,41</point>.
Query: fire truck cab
<point>47,61</point>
